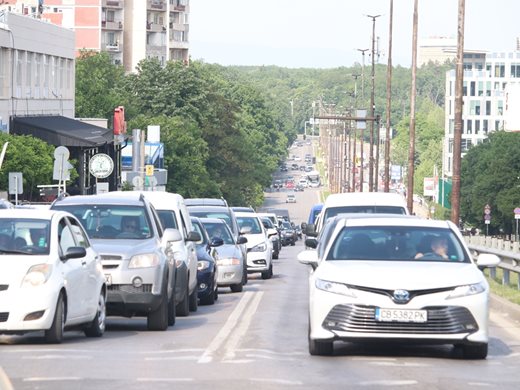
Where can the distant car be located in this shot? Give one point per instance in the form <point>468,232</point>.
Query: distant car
<point>50,275</point>
<point>284,168</point>
<point>291,198</point>
<point>289,185</point>
<point>294,167</point>
<point>422,286</point>
<point>289,235</point>
<point>299,188</point>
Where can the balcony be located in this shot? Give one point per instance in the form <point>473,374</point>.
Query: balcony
<point>154,27</point>
<point>113,25</point>
<point>112,4</point>
<point>111,47</point>
<point>156,5</point>
<point>181,8</point>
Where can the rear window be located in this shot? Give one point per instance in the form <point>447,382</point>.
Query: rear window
<point>212,214</point>
<point>168,219</point>
<point>219,230</point>
<point>368,209</point>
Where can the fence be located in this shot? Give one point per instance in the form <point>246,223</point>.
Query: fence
<point>508,252</point>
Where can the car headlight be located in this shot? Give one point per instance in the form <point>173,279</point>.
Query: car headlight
<point>202,265</point>
<point>37,275</point>
<point>333,287</point>
<point>144,261</point>
<point>230,261</point>
<point>469,289</point>
<point>259,248</point>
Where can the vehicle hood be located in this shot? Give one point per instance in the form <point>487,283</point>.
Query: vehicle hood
<point>227,251</point>
<point>254,239</point>
<point>125,248</point>
<point>399,274</point>
<point>14,267</point>
<point>203,254</point>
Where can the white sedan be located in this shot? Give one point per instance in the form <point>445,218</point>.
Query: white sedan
<point>404,279</point>
<point>50,277</point>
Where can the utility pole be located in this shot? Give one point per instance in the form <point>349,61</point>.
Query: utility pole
<point>457,132</point>
<point>411,149</point>
<point>362,133</point>
<point>372,106</point>
<point>388,100</point>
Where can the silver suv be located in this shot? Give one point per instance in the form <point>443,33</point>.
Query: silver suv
<point>134,250</point>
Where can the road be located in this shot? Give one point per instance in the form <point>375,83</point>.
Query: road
<point>254,339</point>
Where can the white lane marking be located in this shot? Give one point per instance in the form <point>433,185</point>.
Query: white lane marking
<point>256,355</point>
<point>268,351</point>
<point>241,330</point>
<point>54,357</point>
<point>388,383</point>
<point>164,379</point>
<point>228,327</point>
<point>47,350</point>
<point>168,351</point>
<point>480,384</point>
<point>52,379</point>
<point>161,358</point>
<point>277,381</point>
<point>239,361</point>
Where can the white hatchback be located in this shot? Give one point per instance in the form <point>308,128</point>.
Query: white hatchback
<point>259,246</point>
<point>50,277</point>
<point>406,280</point>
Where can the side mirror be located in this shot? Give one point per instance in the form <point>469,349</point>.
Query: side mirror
<point>311,230</point>
<point>171,235</point>
<point>487,260</point>
<point>309,257</point>
<point>194,236</point>
<point>241,240</point>
<point>311,243</point>
<point>216,241</point>
<point>75,252</point>
<point>304,226</point>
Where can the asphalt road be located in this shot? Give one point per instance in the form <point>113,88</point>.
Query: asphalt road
<point>254,339</point>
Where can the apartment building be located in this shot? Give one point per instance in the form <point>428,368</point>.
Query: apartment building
<point>36,69</point>
<point>489,79</point>
<point>129,30</point>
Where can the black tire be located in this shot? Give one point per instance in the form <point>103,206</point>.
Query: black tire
<point>319,348</point>
<point>293,243</point>
<point>194,300</point>
<point>244,275</point>
<point>269,273</point>
<point>236,287</point>
<point>216,292</point>
<point>475,351</point>
<point>97,327</point>
<point>183,307</point>
<point>276,255</point>
<point>54,335</point>
<point>158,319</point>
<point>172,313</point>
<point>209,299</point>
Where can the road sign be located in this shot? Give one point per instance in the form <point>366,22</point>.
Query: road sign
<point>487,221</point>
<point>61,152</point>
<point>487,217</point>
<point>15,183</point>
<point>487,209</point>
<point>517,210</point>
<point>149,170</point>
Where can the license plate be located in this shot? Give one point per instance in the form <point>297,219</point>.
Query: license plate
<point>401,315</point>
<point>108,279</point>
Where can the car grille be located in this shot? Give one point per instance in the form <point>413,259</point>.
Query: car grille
<point>130,289</point>
<point>4,287</point>
<point>4,317</point>
<point>441,320</point>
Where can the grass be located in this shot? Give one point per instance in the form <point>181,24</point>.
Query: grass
<point>510,291</point>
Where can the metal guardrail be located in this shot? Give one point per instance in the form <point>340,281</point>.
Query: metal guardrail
<point>509,253</point>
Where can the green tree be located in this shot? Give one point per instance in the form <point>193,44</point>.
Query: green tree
<point>489,175</point>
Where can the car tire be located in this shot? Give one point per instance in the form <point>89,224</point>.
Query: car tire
<point>172,312</point>
<point>209,299</point>
<point>194,300</point>
<point>54,335</point>
<point>475,351</point>
<point>319,348</point>
<point>97,327</point>
<point>244,276</point>
<point>216,292</point>
<point>293,243</point>
<point>269,273</point>
<point>183,307</point>
<point>236,287</point>
<point>158,319</point>
<point>276,255</point>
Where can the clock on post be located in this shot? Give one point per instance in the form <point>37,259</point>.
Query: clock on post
<point>101,165</point>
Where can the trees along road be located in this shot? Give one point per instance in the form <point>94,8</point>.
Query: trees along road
<point>254,339</point>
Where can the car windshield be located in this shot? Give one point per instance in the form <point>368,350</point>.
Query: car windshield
<point>286,225</point>
<point>250,223</point>
<point>219,230</point>
<point>24,236</point>
<point>199,229</point>
<point>111,221</point>
<point>368,209</point>
<point>267,223</point>
<point>410,243</point>
<point>212,214</point>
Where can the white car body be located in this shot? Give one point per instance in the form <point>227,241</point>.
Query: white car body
<point>349,298</point>
<point>259,246</point>
<point>32,284</point>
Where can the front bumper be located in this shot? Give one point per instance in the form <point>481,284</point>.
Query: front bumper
<point>258,261</point>
<point>229,274</point>
<point>205,282</point>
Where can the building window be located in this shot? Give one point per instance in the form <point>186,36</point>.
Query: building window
<point>467,66</point>
<point>451,88</point>
<point>515,70</point>
<point>465,89</point>
<point>488,69</point>
<point>479,66</point>
<point>477,126</point>
<point>488,88</point>
<point>4,72</point>
<point>111,15</point>
<point>500,69</point>
<point>472,88</point>
<point>485,126</point>
<point>500,107</point>
<point>451,126</point>
<point>465,144</point>
<point>469,126</point>
<point>497,125</point>
<point>19,73</point>
<point>480,88</point>
<point>488,107</point>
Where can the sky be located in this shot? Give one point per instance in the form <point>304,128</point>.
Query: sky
<point>328,33</point>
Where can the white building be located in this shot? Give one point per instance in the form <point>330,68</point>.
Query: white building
<point>36,68</point>
<point>489,78</point>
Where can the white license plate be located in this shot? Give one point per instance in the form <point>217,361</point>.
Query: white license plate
<point>108,279</point>
<point>401,315</point>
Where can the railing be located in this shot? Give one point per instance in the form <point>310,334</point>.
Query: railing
<point>507,251</point>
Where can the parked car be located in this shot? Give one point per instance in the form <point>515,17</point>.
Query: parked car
<point>207,269</point>
<point>259,246</point>
<point>406,280</point>
<point>173,214</point>
<point>228,215</point>
<point>50,275</point>
<point>230,258</point>
<point>134,251</point>
<point>274,236</point>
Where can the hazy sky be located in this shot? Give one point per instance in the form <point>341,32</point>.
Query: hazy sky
<point>327,33</point>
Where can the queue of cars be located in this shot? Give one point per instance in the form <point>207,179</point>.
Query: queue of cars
<point>380,274</point>
<point>131,253</point>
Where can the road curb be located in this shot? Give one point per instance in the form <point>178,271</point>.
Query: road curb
<point>505,308</point>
